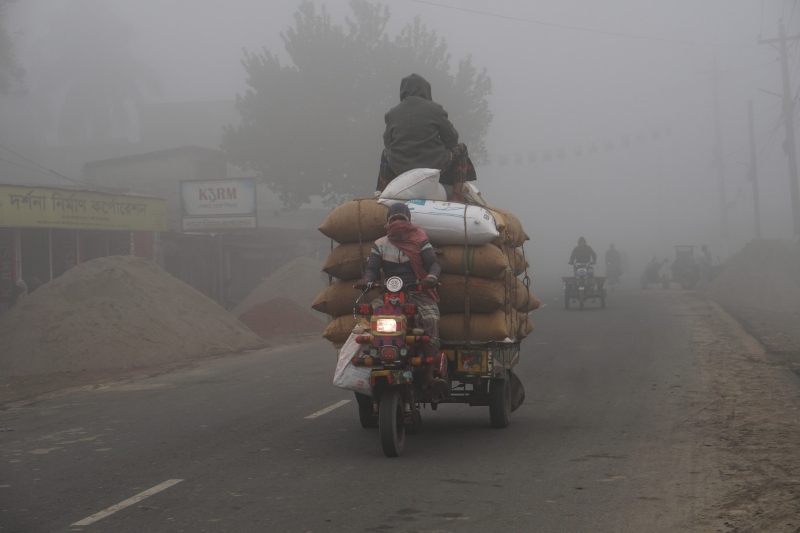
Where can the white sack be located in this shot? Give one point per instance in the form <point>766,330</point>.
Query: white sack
<point>443,222</point>
<point>417,184</point>
<point>472,194</point>
<point>347,376</point>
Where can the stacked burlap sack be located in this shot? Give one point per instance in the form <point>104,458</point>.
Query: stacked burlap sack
<point>478,247</point>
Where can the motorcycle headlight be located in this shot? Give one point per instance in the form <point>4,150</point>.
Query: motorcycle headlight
<point>386,325</point>
<point>581,271</point>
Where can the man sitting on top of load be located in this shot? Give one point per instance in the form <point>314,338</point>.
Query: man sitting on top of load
<point>406,253</point>
<point>419,135</point>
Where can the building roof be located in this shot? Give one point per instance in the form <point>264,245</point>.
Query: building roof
<point>153,155</point>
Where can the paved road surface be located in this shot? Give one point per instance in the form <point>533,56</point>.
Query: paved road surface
<point>597,446</point>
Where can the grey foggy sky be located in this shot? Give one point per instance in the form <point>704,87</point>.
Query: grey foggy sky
<point>552,88</point>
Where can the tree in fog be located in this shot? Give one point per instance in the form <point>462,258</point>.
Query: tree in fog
<point>314,127</point>
<point>11,72</point>
<point>93,70</point>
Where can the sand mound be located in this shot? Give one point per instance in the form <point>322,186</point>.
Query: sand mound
<point>280,316</point>
<point>299,280</point>
<point>764,275</point>
<point>113,313</point>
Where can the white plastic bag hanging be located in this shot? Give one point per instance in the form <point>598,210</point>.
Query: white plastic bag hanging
<point>351,377</point>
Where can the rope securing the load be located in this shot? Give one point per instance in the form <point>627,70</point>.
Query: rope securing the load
<point>466,282</point>
<point>330,278</point>
<point>360,242</point>
<point>526,280</point>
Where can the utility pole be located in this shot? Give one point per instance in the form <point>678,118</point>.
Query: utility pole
<point>720,164</point>
<point>788,119</point>
<point>753,173</point>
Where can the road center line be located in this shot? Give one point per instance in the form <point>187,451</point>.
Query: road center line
<point>127,503</point>
<point>328,409</point>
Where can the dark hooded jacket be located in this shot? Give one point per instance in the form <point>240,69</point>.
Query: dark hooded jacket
<point>418,132</point>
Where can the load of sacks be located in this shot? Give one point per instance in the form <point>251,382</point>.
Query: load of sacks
<point>479,248</point>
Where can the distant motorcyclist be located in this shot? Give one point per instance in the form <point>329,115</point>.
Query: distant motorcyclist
<point>420,135</point>
<point>582,253</point>
<point>406,252</point>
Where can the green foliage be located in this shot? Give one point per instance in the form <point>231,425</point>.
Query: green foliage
<point>314,127</point>
<point>11,72</point>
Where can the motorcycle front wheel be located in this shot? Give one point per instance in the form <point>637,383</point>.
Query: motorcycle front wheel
<point>391,424</point>
<point>581,299</point>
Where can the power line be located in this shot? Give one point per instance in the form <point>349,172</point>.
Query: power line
<point>770,132</point>
<point>26,167</point>
<point>574,28</point>
<point>53,172</point>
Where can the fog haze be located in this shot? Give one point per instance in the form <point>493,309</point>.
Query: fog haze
<point>625,111</point>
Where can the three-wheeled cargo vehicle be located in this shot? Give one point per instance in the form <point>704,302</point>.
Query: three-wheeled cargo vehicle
<point>478,373</point>
<point>583,286</point>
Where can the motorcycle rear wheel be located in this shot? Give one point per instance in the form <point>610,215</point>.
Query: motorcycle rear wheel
<point>391,424</point>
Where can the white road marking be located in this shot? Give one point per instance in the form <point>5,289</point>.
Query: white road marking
<point>127,503</point>
<point>328,409</point>
<point>543,305</point>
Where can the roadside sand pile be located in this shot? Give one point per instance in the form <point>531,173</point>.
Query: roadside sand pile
<point>299,280</point>
<point>112,313</point>
<point>764,275</point>
<point>280,316</point>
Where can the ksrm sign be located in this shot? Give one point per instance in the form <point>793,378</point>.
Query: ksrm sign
<point>218,205</point>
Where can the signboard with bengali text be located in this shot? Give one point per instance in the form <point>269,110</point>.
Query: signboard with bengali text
<point>219,204</point>
<point>46,207</point>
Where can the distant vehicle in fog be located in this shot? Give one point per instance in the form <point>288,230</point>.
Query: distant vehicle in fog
<point>685,268</point>
<point>652,274</point>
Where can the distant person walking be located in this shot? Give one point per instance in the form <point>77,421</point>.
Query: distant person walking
<point>704,261</point>
<point>613,264</point>
<point>19,291</point>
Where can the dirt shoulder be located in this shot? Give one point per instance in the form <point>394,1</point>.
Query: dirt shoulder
<point>22,390</point>
<point>777,332</point>
<point>746,425</point>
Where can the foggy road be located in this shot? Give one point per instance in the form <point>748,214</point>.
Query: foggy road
<point>597,446</point>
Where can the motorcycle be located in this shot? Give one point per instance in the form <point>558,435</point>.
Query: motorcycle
<point>584,285</point>
<point>477,373</point>
<point>394,350</point>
